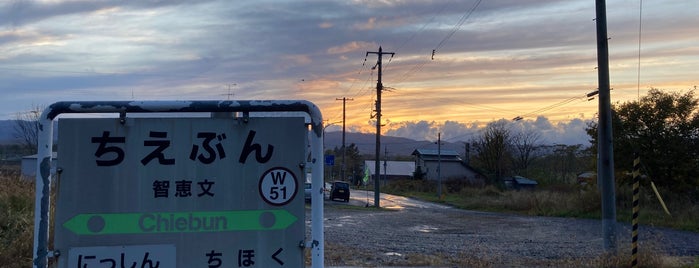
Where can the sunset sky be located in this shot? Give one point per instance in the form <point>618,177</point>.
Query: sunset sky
<point>493,60</point>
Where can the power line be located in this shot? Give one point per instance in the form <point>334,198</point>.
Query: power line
<point>362,90</point>
<point>458,25</point>
<point>588,96</point>
<point>423,27</point>
<point>418,66</point>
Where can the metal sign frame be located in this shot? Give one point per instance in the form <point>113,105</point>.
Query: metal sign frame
<point>45,145</point>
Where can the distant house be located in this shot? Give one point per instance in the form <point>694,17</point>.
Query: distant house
<point>392,170</point>
<point>520,183</point>
<point>29,166</point>
<point>452,166</point>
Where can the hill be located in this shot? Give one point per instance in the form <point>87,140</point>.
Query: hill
<point>7,132</point>
<point>396,146</point>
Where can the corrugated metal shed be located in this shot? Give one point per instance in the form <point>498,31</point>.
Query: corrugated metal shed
<point>443,155</point>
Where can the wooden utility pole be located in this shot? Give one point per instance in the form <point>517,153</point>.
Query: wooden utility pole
<point>605,159</point>
<point>379,88</point>
<point>344,155</point>
<point>439,165</point>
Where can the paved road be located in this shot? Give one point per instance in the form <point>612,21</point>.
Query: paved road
<point>409,230</point>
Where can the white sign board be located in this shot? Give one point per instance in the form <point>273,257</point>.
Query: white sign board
<point>173,192</point>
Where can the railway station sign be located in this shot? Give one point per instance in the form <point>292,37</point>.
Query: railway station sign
<point>180,192</point>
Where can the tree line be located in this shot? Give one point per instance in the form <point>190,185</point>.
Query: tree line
<point>662,128</point>
<point>505,148</point>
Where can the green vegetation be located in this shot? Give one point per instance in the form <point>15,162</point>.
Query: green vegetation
<point>661,128</point>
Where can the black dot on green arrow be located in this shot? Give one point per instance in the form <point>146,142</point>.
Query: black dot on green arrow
<point>95,224</point>
<point>267,219</point>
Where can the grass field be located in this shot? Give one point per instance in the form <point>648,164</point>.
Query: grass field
<point>559,201</point>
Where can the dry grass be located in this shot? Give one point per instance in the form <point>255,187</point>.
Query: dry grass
<point>578,203</point>
<point>560,201</point>
<point>16,219</point>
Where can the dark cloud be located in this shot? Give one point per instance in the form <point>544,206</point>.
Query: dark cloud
<point>20,12</point>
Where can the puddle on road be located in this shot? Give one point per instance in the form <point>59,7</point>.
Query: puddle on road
<point>424,228</point>
<point>340,221</point>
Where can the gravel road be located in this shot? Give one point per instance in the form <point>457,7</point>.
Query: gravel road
<point>410,232</point>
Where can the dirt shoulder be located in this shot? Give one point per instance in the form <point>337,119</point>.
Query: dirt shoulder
<point>435,235</point>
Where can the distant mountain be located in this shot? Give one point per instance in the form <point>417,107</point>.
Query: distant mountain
<point>7,132</point>
<point>396,146</point>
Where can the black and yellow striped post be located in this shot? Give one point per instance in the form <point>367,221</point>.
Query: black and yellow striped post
<point>634,218</point>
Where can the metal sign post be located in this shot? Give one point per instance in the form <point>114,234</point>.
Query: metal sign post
<point>184,192</point>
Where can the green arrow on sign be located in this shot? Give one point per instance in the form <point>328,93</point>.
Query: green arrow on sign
<point>179,222</point>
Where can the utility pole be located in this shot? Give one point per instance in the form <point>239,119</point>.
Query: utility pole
<point>229,94</point>
<point>344,102</point>
<point>605,159</point>
<point>439,165</point>
<point>467,153</point>
<point>379,88</point>
<point>228,97</point>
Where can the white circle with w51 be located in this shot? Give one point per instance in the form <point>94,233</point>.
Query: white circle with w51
<point>278,186</point>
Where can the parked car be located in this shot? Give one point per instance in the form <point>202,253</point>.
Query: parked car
<point>340,190</point>
<point>307,192</point>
